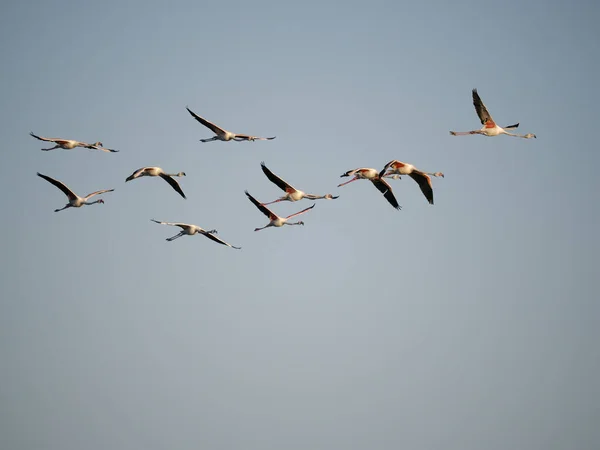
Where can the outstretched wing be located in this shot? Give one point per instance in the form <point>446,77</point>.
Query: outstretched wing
<point>206,123</point>
<point>174,224</point>
<point>276,180</point>
<point>424,182</point>
<point>301,212</point>
<point>386,190</point>
<point>216,239</point>
<point>98,192</point>
<point>68,192</point>
<point>57,140</point>
<point>173,182</point>
<point>262,208</point>
<point>482,112</point>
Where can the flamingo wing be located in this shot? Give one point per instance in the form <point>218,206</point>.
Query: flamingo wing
<point>386,190</point>
<point>174,224</point>
<point>206,123</point>
<point>98,192</point>
<point>424,182</point>
<point>276,180</point>
<point>57,140</point>
<point>482,112</point>
<point>301,212</point>
<point>262,208</point>
<point>173,182</point>
<point>68,192</point>
<point>216,239</point>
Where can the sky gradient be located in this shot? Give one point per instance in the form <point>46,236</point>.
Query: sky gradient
<point>470,324</point>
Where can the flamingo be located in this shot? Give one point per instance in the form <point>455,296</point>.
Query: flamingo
<point>69,144</point>
<point>291,193</point>
<point>275,220</point>
<point>376,179</point>
<point>422,178</point>
<point>194,229</point>
<point>224,135</point>
<point>158,172</point>
<point>75,201</point>
<point>489,126</point>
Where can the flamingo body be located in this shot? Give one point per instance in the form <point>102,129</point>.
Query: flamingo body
<point>158,172</point>
<point>291,193</point>
<point>373,176</point>
<point>224,135</point>
<point>423,179</point>
<point>75,201</point>
<point>490,128</point>
<point>274,219</point>
<point>190,230</point>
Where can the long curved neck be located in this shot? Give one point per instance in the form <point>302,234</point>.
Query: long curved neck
<point>294,223</point>
<point>91,203</point>
<point>180,174</point>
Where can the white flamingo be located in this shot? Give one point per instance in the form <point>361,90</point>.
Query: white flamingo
<point>224,135</point>
<point>69,144</point>
<point>75,201</point>
<point>373,176</point>
<point>422,178</point>
<point>275,220</point>
<point>291,193</point>
<point>190,230</point>
<point>158,172</point>
<point>489,126</point>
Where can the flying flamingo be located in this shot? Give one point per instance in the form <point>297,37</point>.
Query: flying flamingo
<point>275,220</point>
<point>75,201</point>
<point>69,144</point>
<point>373,176</point>
<point>194,229</point>
<point>422,178</point>
<point>489,126</point>
<point>291,193</point>
<point>224,135</point>
<point>158,172</point>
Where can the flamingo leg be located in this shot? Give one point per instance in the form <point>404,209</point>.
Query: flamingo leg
<point>463,133</point>
<point>68,205</point>
<point>214,138</point>
<point>175,237</point>
<point>353,179</point>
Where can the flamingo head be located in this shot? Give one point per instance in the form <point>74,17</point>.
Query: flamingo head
<point>439,174</point>
<point>530,135</point>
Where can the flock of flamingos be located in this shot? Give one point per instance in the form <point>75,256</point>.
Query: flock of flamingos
<point>393,169</point>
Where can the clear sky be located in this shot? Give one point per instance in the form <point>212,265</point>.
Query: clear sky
<point>471,324</point>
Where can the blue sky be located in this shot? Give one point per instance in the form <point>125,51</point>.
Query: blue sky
<point>469,324</point>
